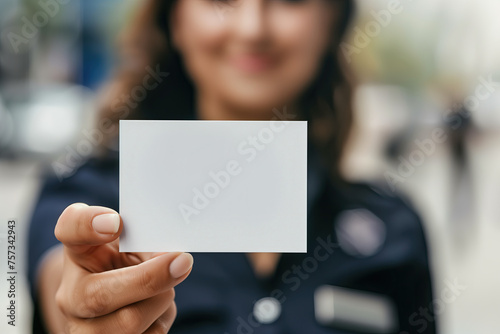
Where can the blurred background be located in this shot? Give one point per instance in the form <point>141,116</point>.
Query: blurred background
<point>427,124</point>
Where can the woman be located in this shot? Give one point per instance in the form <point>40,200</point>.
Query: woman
<point>221,60</point>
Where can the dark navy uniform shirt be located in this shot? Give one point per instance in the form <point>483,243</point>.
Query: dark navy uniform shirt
<point>358,238</point>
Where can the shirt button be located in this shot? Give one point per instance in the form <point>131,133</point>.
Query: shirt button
<point>267,310</point>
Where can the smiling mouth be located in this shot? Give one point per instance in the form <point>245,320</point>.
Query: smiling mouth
<point>253,63</point>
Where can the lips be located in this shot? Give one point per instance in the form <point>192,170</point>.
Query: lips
<point>253,63</point>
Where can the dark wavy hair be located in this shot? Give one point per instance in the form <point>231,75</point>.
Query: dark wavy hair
<point>146,44</point>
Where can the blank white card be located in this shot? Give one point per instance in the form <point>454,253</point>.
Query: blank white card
<point>213,186</point>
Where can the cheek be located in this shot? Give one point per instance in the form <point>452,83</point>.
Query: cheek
<point>304,39</point>
<point>200,38</point>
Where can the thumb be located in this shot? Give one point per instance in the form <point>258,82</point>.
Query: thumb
<point>81,226</point>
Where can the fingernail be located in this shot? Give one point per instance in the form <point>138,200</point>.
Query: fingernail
<point>181,265</point>
<point>108,223</point>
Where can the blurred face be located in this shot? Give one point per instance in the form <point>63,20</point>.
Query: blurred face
<point>249,56</point>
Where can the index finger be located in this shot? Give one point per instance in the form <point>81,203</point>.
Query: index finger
<point>105,292</point>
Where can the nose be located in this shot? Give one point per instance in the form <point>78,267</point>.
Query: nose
<point>250,24</point>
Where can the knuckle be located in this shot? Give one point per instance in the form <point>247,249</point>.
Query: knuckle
<point>150,282</point>
<point>162,324</point>
<point>160,327</point>
<point>95,299</point>
<point>129,319</point>
<point>116,284</point>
